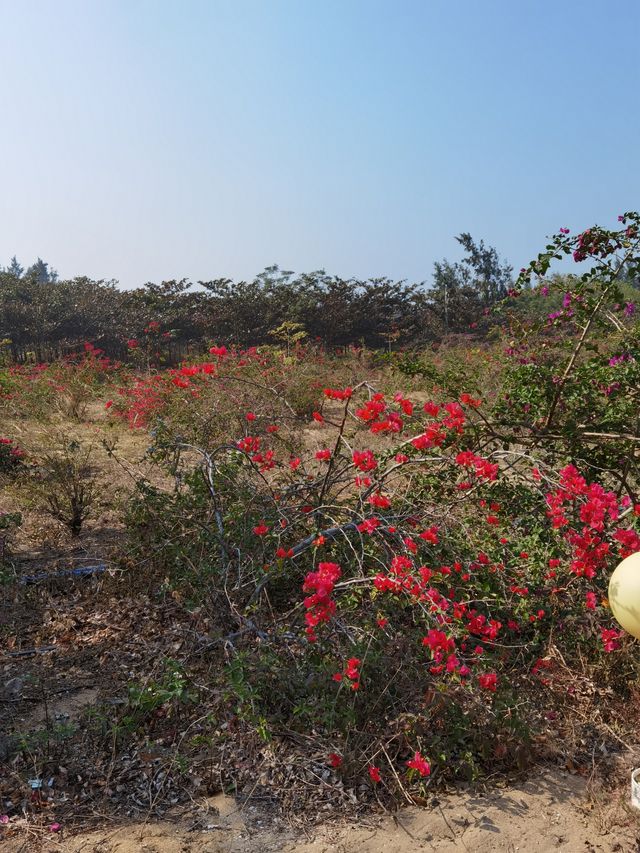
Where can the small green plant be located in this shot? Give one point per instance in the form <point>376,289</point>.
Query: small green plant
<point>65,484</point>
<point>54,733</point>
<point>166,694</point>
<point>289,334</point>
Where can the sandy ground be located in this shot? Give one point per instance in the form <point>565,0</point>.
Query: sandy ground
<point>550,812</point>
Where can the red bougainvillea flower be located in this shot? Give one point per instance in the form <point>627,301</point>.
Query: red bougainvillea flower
<point>351,669</point>
<point>373,409</point>
<point>393,423</point>
<point>468,400</point>
<point>250,416</point>
<point>261,529</point>
<point>219,351</point>
<point>336,394</point>
<point>488,681</point>
<point>430,535</point>
<point>591,599</point>
<point>364,460</point>
<point>108,404</point>
<point>629,542</point>
<point>405,405</point>
<point>374,774</point>
<point>132,343</point>
<point>610,639</point>
<point>433,436</point>
<point>323,455</point>
<point>320,606</point>
<point>484,469</point>
<point>318,417</point>
<point>420,764</point>
<point>335,760</point>
<point>380,501</point>
<point>284,553</point>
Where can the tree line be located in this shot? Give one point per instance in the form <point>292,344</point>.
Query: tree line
<point>37,306</point>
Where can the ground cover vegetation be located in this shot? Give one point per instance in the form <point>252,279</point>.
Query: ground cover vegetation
<point>333,575</point>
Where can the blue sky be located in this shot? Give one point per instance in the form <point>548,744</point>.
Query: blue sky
<point>144,140</point>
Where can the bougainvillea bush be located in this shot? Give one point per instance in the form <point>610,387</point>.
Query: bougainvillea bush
<point>64,388</point>
<point>412,579</point>
<point>403,558</point>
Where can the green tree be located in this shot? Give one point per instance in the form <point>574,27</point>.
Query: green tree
<point>15,269</point>
<point>41,273</point>
<point>462,290</point>
<point>484,270</point>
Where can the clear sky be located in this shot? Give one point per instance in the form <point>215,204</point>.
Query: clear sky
<point>145,139</point>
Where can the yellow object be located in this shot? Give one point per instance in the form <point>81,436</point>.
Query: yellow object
<point>624,594</point>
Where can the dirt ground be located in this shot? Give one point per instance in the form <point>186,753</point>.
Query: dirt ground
<point>551,811</point>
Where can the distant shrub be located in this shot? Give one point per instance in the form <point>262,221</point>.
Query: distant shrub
<point>64,483</point>
<point>11,455</point>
